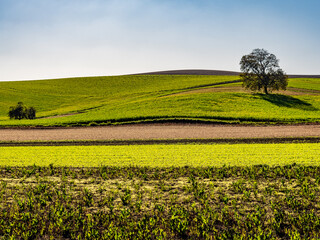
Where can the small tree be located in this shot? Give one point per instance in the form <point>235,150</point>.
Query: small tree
<point>31,113</point>
<point>20,111</point>
<point>260,70</point>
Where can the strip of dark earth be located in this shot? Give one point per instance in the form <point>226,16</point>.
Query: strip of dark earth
<point>161,141</point>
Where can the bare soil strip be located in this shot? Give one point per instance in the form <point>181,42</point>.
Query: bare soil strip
<point>160,131</point>
<point>161,141</point>
<point>62,115</point>
<point>290,91</point>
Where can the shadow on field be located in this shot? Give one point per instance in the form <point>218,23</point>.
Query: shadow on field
<point>287,101</point>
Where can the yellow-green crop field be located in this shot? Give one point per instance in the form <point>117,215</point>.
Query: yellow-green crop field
<point>163,155</point>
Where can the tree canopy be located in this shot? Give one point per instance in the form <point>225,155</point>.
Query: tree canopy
<point>260,70</point>
<point>20,111</point>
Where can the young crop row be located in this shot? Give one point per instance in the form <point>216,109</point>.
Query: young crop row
<point>253,202</point>
<point>163,155</point>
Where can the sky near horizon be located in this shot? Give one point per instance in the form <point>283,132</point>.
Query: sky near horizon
<point>41,39</point>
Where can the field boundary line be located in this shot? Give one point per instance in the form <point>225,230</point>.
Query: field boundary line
<point>162,141</point>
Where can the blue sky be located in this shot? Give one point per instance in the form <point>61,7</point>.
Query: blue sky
<point>62,38</point>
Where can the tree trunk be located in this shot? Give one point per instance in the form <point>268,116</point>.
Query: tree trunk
<point>266,90</point>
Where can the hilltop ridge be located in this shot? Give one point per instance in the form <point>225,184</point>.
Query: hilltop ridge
<point>192,72</point>
<point>212,72</point>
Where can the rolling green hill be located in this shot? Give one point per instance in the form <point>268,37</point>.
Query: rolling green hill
<point>143,98</point>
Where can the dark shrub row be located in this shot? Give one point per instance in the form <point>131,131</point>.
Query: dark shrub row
<point>20,111</point>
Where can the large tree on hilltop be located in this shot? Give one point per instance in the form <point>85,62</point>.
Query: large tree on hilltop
<point>260,70</point>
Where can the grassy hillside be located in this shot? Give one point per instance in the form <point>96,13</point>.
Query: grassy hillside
<point>136,98</point>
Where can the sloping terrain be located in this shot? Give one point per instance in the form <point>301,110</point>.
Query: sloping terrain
<point>91,101</point>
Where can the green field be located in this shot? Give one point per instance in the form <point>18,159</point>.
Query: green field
<point>141,98</point>
<point>178,155</point>
<point>160,191</point>
<point>305,83</point>
<point>253,202</point>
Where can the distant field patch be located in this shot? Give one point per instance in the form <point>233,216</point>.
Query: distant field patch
<point>305,83</point>
<point>196,155</point>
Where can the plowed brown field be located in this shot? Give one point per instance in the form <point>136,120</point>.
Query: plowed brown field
<point>160,131</point>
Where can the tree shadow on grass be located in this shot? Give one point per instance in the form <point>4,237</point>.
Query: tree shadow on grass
<point>287,101</point>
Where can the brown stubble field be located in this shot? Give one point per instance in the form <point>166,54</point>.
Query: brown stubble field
<point>160,131</point>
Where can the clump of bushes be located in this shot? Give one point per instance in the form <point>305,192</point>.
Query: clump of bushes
<point>20,111</point>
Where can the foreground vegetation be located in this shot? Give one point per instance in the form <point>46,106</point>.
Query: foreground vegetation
<point>254,202</point>
<point>163,155</point>
<point>143,98</point>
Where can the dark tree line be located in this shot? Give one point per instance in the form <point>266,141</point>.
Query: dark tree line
<point>20,111</point>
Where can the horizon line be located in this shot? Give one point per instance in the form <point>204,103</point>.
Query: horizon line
<point>208,72</point>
